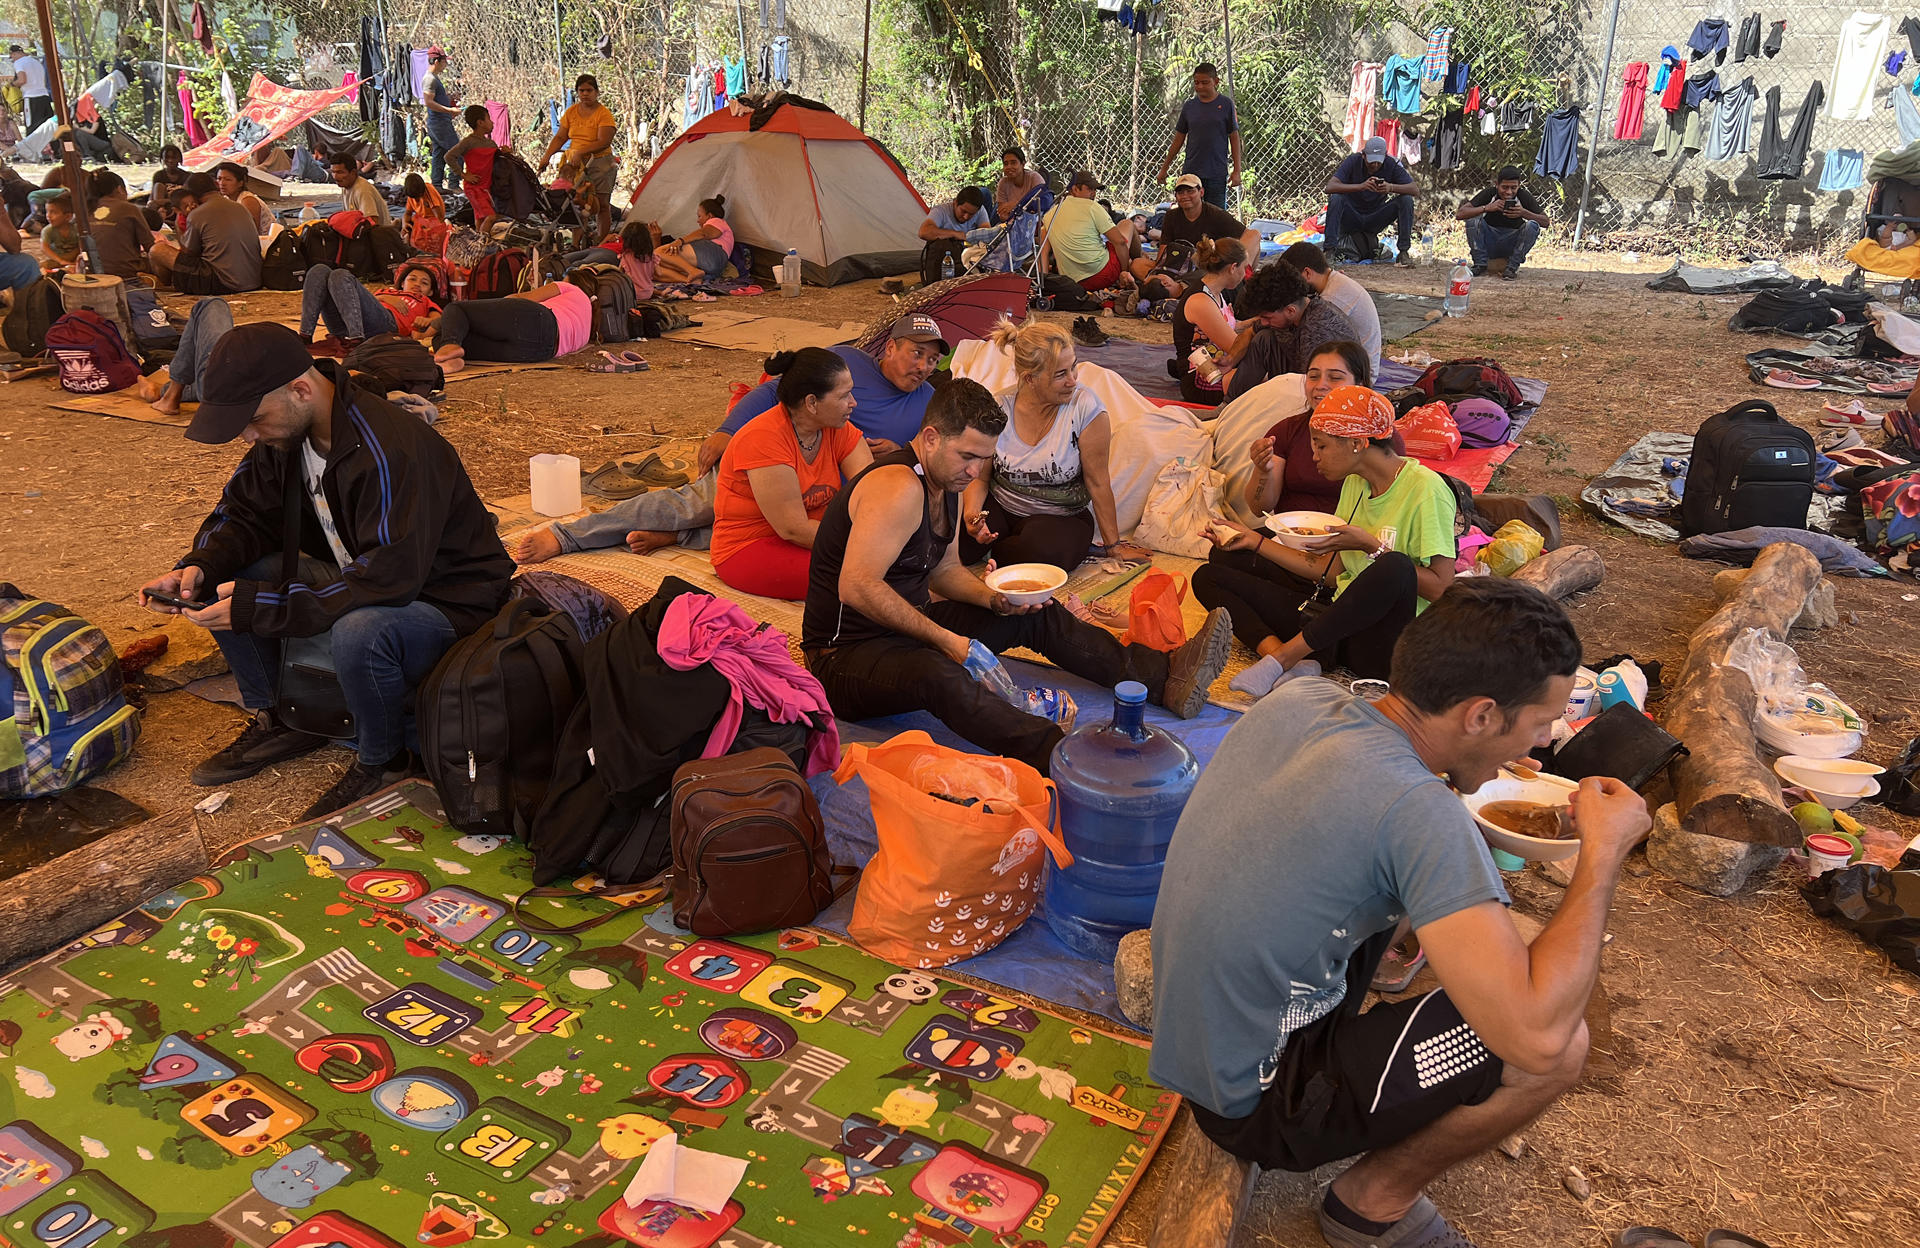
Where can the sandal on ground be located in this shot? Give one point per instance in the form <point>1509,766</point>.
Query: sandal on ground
<point>608,481</point>
<point>1397,969</point>
<point>1649,1237</point>
<point>1718,1238</point>
<point>619,362</point>
<point>1423,1227</point>
<point>652,470</point>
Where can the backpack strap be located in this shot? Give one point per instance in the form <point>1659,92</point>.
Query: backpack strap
<point>609,892</point>
<point>1753,407</point>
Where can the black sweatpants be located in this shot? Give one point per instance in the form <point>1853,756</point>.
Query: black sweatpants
<point>1357,632</point>
<point>504,331</point>
<point>894,675</point>
<point>1062,541</point>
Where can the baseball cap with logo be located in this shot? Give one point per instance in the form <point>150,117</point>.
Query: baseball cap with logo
<point>251,362</point>
<point>921,328</point>
<point>1188,181</point>
<point>1376,150</point>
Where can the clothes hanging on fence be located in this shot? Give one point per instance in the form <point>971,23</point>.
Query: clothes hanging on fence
<point>196,133</point>
<point>1388,129</point>
<point>1410,149</point>
<point>1911,29</point>
<point>773,57</point>
<point>1856,61</point>
<point>1671,132</point>
<point>1842,169</point>
<point>736,77</point>
<point>1458,72</point>
<point>1709,38</point>
<point>502,122</point>
<point>1438,43</point>
<point>1694,140</point>
<point>1787,160</point>
<point>1472,104</point>
<point>202,29</point>
<point>1701,89</point>
<point>1778,33</point>
<point>1448,140</point>
<point>781,20</point>
<point>1906,117</point>
<point>417,71</point>
<point>1515,116</point>
<point>1559,155</point>
<point>1362,104</point>
<point>1894,62</point>
<point>1748,43</point>
<point>226,94</point>
<point>1669,66</point>
<point>1629,120</point>
<point>1731,130</point>
<point>1400,84</point>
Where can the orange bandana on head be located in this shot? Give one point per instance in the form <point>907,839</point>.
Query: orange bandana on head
<point>1354,412</point>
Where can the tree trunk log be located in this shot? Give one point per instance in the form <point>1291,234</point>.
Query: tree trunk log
<point>51,904</point>
<point>1722,788</point>
<point>1564,572</point>
<point>1206,1194</point>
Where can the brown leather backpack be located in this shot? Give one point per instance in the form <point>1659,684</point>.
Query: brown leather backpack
<point>749,850</point>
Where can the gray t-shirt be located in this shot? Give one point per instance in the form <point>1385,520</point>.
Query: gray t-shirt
<point>1357,306</point>
<point>227,237</point>
<point>1315,827</point>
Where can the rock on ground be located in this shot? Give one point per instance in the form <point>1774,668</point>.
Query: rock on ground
<point>1133,977</point>
<point>1708,863</point>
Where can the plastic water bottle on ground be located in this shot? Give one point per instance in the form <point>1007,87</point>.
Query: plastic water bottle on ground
<point>1458,282</point>
<point>1426,247</point>
<point>946,266</point>
<point>308,214</point>
<point>984,666</point>
<point>790,274</point>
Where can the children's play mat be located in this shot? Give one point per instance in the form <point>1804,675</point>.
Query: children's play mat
<point>360,1035</point>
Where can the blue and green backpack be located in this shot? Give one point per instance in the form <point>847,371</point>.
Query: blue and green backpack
<point>60,688</point>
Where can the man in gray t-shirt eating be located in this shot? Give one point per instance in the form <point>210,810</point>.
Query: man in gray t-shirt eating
<point>1322,823</point>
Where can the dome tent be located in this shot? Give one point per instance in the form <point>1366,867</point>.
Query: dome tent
<point>796,175</point>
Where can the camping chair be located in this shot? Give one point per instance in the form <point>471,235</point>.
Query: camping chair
<point>1890,201</point>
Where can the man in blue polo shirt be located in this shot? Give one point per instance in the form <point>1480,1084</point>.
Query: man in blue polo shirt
<point>890,396</point>
<point>1210,130</point>
<point>1368,192</point>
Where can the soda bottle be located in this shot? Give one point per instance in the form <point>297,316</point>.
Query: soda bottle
<point>1457,283</point>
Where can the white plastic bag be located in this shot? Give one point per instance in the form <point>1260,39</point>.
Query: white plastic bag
<point>1185,498</point>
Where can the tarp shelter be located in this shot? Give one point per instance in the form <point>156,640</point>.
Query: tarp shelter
<point>270,111</point>
<point>803,178</point>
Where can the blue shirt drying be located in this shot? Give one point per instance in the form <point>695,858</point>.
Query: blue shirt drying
<point>1400,83</point>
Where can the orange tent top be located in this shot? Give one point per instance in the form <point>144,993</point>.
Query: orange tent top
<point>807,123</point>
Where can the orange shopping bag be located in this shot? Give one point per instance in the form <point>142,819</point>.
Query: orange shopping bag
<point>1153,612</point>
<point>948,881</point>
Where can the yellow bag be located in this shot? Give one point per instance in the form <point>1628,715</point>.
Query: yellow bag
<point>1514,545</point>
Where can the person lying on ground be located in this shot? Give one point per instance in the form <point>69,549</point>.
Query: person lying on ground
<point>61,237</point>
<point>1182,230</point>
<point>1390,556</point>
<point>1017,185</point>
<point>947,230</point>
<point>586,132</point>
<point>271,158</point>
<point>121,233</point>
<point>880,644</point>
<point>396,560</point>
<point>1050,489</point>
<point>231,178</point>
<point>1502,220</point>
<point>1291,324</point>
<point>780,472</point>
<point>1369,191</point>
<point>424,222</point>
<point>360,195</point>
<point>1285,475</point>
<point>180,380</point>
<point>701,255</point>
<point>219,250</point>
<point>1272,1049</point>
<point>168,178</point>
<point>891,394</point>
<point>544,323</point>
<point>1203,323</point>
<point>1081,242</point>
<point>473,157</point>
<point>352,313</point>
<point>631,250</point>
<point>1339,291</point>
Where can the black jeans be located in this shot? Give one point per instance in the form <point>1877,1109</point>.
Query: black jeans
<point>894,675</point>
<point>1345,217</point>
<point>1357,631</point>
<point>506,331</point>
<point>1062,541</point>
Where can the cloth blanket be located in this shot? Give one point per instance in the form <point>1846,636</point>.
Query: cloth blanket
<point>1902,262</point>
<point>1641,491</point>
<point>1694,279</point>
<point>1846,374</point>
<point>1742,545</point>
<point>1143,365</point>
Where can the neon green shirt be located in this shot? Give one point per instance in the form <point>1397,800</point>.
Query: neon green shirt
<point>1078,230</point>
<point>1415,516</point>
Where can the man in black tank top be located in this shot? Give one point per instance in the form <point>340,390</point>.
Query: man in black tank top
<point>879,643</point>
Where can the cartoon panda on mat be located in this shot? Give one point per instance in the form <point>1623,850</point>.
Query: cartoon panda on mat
<point>910,986</point>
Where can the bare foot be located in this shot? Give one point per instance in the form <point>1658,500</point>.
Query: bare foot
<point>168,404</point>
<point>534,546</point>
<point>151,386</point>
<point>450,358</point>
<point>646,541</point>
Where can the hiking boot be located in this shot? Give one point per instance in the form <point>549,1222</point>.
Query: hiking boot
<point>361,782</point>
<point>262,744</point>
<point>1192,669</point>
<point>1509,273</point>
<point>1087,332</point>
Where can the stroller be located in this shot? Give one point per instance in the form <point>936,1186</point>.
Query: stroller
<point>1892,201</point>
<point>1015,245</point>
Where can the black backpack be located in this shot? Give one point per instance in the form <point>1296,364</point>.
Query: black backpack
<point>386,248</point>
<point>613,301</point>
<point>34,311</point>
<point>284,265</point>
<point>396,362</point>
<point>320,243</point>
<point>490,716</point>
<point>1749,467</point>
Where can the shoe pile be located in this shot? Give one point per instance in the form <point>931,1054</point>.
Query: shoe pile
<point>1087,332</point>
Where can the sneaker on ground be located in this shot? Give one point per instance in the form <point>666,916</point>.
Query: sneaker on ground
<point>1192,669</point>
<point>1781,379</point>
<point>1509,273</point>
<point>361,782</point>
<point>259,746</point>
<point>1478,270</point>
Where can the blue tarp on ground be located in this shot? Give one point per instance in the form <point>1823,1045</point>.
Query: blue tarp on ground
<point>1032,960</point>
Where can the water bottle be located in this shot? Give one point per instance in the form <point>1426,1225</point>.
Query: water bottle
<point>984,666</point>
<point>308,214</point>
<point>946,266</point>
<point>1426,246</point>
<point>790,274</point>
<point>1122,787</point>
<point>1457,283</point>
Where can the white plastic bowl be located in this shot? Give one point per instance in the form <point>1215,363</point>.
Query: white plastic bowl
<point>1545,789</point>
<point>1784,740</point>
<point>1840,801</point>
<point>1285,527</point>
<point>1045,573</point>
<point>1829,775</point>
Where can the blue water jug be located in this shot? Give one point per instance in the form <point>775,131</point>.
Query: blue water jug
<point>1122,788</point>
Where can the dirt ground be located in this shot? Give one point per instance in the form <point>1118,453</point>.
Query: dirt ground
<point>1757,1069</point>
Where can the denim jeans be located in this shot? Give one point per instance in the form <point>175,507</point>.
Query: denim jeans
<point>1486,242</point>
<point>687,511</point>
<point>17,271</point>
<point>348,308</point>
<point>441,142</point>
<point>380,656</point>
<point>1344,217</point>
<point>1213,191</point>
<point>209,322</point>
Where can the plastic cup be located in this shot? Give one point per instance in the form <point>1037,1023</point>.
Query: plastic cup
<point>1371,690</point>
<point>1826,853</point>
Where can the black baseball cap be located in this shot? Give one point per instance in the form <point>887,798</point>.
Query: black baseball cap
<point>250,363</point>
<point>1086,178</point>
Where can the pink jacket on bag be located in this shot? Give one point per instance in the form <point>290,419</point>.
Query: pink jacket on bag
<point>699,628</point>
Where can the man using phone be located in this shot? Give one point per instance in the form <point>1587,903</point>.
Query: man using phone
<point>1502,220</point>
<point>392,555</point>
<point>1369,191</point>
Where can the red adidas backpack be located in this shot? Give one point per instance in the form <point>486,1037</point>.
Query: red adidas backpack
<point>92,355</point>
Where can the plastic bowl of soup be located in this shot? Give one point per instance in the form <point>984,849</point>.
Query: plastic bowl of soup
<point>1027,584</point>
<point>1302,530</point>
<point>1525,817</point>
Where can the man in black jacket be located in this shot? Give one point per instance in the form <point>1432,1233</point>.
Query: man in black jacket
<point>393,556</point>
